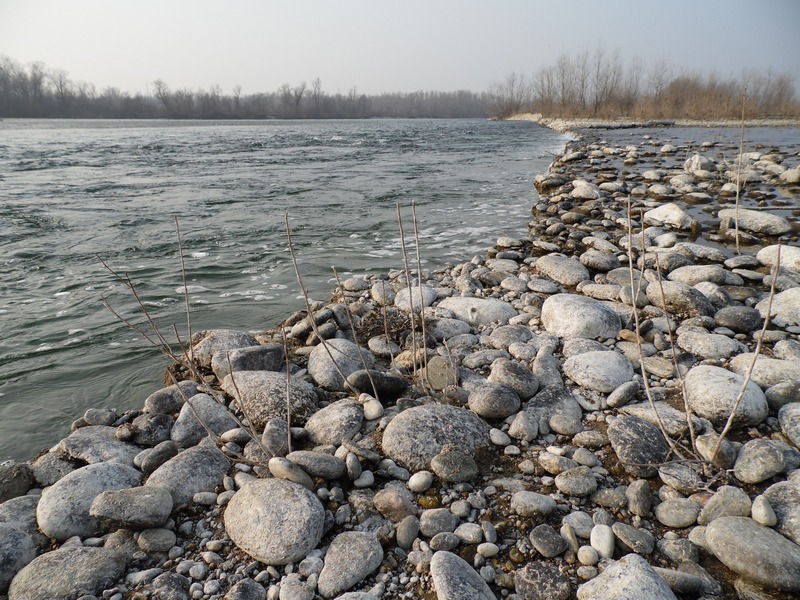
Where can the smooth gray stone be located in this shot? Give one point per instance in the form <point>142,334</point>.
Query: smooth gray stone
<point>767,371</point>
<point>674,420</point>
<point>571,316</point>
<point>478,311</point>
<point>678,512</point>
<point>415,298</point>
<point>198,469</point>
<point>170,399</point>
<point>493,401</point>
<point>755,221</point>
<point>437,520</point>
<point>199,413</point>
<point>547,541</point>
<point>418,434</point>
<point>712,391</point>
<point>20,512</point>
<point>15,480</point>
<point>158,456</point>
<point>407,531</point>
<point>377,383</point>
<point>137,507</point>
<point>755,552</point>
<point>67,573</point>
<point>680,550</point>
<point>789,419</point>
<point>784,498</point>
<point>63,510</point>
<point>17,549</point>
<point>207,343</point>
<point>599,371</point>
<point>579,481</point>
<point>640,498</point>
<point>97,444</point>
<point>706,345</point>
<point>246,589</point>
<point>351,557</point>
<point>782,394</point>
<point>562,269</point>
<point>337,422</point>
<point>526,504</point>
<point>318,464</point>
<point>640,541</point>
<point>727,501</point>
<point>149,429</point>
<point>758,460</point>
<point>453,465</point>
<point>263,396</point>
<point>455,579</point>
<point>505,335</point>
<point>741,319</point>
<point>540,580</point>
<point>270,357</point>
<point>395,502</point>
<point>687,478</point>
<point>629,578</point>
<point>274,520</point>
<point>515,377</point>
<point>338,357</point>
<point>551,401</point>
<point>50,467</point>
<point>639,445</point>
<point>679,299</point>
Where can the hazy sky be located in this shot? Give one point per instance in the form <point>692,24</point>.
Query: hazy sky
<point>378,46</point>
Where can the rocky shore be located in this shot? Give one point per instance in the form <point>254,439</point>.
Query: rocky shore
<point>542,421</point>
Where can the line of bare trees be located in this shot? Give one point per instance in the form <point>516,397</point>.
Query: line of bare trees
<point>36,91</point>
<point>600,83</point>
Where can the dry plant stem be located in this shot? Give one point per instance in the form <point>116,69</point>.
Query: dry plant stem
<point>635,311</point>
<point>681,380</point>
<point>355,334</point>
<point>386,325</point>
<point>756,354</point>
<point>185,290</point>
<point>251,429</point>
<point>410,297</point>
<point>739,173</point>
<point>421,301</point>
<point>311,320</point>
<point>288,393</point>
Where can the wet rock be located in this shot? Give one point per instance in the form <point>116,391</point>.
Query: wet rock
<point>198,469</point>
<point>63,510</point>
<point>274,521</point>
<point>639,445</point>
<point>478,311</point>
<point>757,553</point>
<point>570,316</point>
<point>337,422</point>
<point>351,557</point>
<point>754,221</point>
<point>418,434</point>
<point>68,573</point>
<point>712,391</point>
<point>599,371</point>
<point>263,396</point>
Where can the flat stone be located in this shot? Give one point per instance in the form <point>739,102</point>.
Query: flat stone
<point>599,371</point>
<point>540,580</point>
<point>758,460</point>
<point>527,504</point>
<point>712,391</point>
<point>640,541</point>
<point>455,579</point>
<point>709,345</point>
<point>579,482</point>
<point>679,299</point>
<point>767,371</point>
<point>571,316</point>
<point>68,573</point>
<point>547,541</point>
<point>493,401</point>
<point>784,498</point>
<point>678,512</point>
<point>415,298</point>
<point>629,578</point>
<point>790,256</point>
<point>673,419</point>
<point>639,445</point>
<point>97,444</point>
<point>437,520</point>
<point>275,521</point>
<point>562,269</point>
<point>670,215</point>
<point>515,377</point>
<point>318,464</point>
<point>755,552</point>
<point>479,311</point>
<point>351,557</point>
<point>198,469</point>
<point>741,319</point>
<point>207,343</point>
<point>418,434</point>
<point>136,508</point>
<point>269,357</point>
<point>262,394</point>
<point>454,465</point>
<point>755,221</point>
<point>380,384</point>
<point>63,510</point>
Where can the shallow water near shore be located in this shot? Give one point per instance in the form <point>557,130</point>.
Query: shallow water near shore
<point>71,191</point>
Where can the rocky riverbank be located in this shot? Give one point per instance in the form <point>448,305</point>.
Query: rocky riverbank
<point>530,441</point>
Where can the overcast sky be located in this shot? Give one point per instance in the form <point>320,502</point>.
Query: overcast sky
<point>377,46</point>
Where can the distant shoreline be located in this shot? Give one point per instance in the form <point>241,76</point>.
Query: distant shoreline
<point>571,125</point>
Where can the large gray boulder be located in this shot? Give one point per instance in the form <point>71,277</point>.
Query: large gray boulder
<point>418,434</point>
<point>712,391</point>
<point>262,395</point>
<point>96,444</point>
<point>790,257</point>
<point>275,521</point>
<point>63,510</point>
<point>573,316</point>
<point>269,357</point>
<point>68,573</point>
<point>338,357</point>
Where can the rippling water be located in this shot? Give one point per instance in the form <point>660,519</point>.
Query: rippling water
<point>73,191</point>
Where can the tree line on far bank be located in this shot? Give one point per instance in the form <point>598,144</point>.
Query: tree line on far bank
<point>596,83</point>
<point>36,91</point>
<point>600,84</point>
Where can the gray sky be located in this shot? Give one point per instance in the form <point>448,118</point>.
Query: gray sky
<point>382,46</point>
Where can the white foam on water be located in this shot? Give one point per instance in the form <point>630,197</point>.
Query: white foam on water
<point>199,254</point>
<point>74,331</point>
<point>192,289</point>
<point>70,341</point>
<point>44,347</point>
<point>61,294</point>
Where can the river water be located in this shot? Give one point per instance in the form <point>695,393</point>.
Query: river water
<point>72,192</point>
